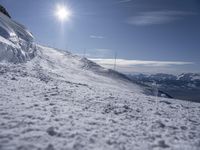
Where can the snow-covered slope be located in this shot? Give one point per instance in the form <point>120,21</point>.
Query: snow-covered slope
<point>58,100</point>
<point>16,42</point>
<point>189,76</point>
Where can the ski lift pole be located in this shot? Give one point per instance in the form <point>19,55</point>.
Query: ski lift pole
<point>115,63</point>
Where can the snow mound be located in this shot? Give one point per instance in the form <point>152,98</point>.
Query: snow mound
<point>16,42</point>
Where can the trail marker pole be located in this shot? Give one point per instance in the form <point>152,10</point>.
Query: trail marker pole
<point>115,63</point>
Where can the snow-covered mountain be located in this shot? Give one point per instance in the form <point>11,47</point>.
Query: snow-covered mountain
<point>184,86</point>
<point>16,42</point>
<point>189,77</point>
<point>51,99</point>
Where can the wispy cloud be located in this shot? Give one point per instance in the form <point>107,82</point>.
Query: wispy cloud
<point>157,17</point>
<point>124,1</point>
<point>130,66</point>
<point>124,62</point>
<point>96,37</point>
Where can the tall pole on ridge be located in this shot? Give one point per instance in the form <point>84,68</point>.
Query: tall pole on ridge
<point>115,63</point>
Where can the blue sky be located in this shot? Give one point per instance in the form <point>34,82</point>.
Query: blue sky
<point>165,32</point>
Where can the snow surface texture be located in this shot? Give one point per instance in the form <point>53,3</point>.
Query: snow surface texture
<point>54,102</point>
<point>16,42</point>
<point>61,101</point>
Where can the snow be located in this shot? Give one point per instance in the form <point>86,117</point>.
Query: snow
<point>7,42</point>
<point>189,76</point>
<point>197,77</point>
<point>58,100</point>
<point>52,101</point>
<point>16,42</point>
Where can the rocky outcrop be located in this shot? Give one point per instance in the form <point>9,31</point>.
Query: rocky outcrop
<point>4,11</point>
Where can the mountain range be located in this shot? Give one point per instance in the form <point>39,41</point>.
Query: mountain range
<point>185,86</point>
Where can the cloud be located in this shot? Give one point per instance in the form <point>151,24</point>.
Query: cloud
<point>124,62</point>
<point>96,37</point>
<point>124,1</point>
<point>140,66</point>
<point>157,17</point>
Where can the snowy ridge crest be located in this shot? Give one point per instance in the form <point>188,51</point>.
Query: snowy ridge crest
<point>16,42</point>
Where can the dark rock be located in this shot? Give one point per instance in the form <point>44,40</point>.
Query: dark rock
<point>183,127</point>
<point>51,131</point>
<point>13,78</point>
<point>162,144</point>
<point>4,11</point>
<point>160,124</point>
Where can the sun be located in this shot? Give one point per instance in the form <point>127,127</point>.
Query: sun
<point>62,13</point>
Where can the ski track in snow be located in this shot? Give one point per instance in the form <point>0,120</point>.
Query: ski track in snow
<point>53,102</point>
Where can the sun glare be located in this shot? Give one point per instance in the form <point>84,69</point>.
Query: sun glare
<point>63,13</point>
